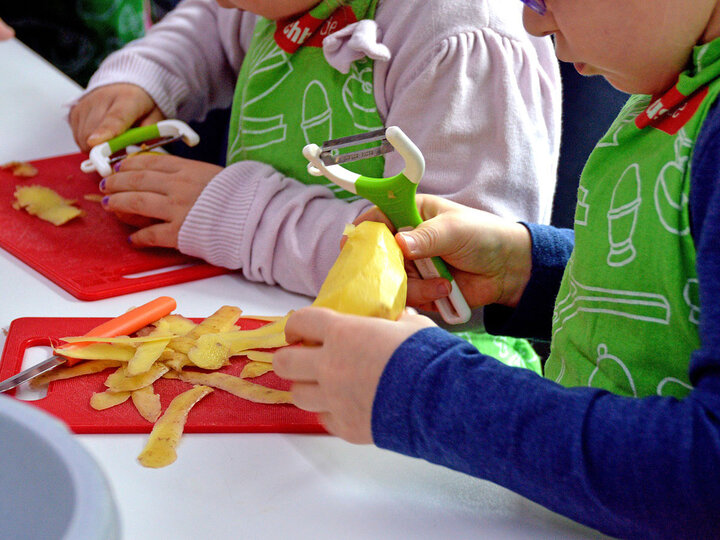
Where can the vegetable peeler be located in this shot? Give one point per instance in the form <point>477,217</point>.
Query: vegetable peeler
<point>102,156</point>
<point>394,196</point>
<point>127,323</point>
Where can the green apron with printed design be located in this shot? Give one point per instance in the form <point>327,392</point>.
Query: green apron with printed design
<point>287,96</point>
<point>626,317</point>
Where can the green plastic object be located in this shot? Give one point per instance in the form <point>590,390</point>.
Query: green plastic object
<point>395,196</point>
<point>136,135</point>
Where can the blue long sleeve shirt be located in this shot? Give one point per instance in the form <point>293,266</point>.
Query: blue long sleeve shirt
<point>629,467</point>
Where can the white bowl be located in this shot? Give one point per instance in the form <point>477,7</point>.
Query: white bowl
<point>50,486</point>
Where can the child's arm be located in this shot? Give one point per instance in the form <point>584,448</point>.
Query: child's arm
<point>633,468</point>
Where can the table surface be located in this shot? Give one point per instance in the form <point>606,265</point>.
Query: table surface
<point>242,485</point>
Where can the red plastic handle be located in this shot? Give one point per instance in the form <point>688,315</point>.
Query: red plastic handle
<point>128,322</point>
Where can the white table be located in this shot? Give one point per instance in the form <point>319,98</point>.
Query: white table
<point>242,485</point>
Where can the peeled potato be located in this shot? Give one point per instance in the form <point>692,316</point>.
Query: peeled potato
<point>368,277</point>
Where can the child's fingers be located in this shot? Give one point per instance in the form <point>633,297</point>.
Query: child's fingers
<point>161,235</point>
<point>117,121</point>
<point>154,117</point>
<point>137,181</point>
<point>151,162</point>
<point>297,364</point>
<point>6,32</point>
<point>126,105</point>
<point>425,291</point>
<point>139,222</point>
<point>374,214</point>
<point>308,397</point>
<point>432,238</point>
<point>430,206</point>
<point>309,325</point>
<point>142,203</point>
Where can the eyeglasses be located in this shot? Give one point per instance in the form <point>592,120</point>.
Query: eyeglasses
<point>538,6</point>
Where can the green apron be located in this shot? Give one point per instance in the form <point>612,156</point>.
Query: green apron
<point>287,96</point>
<point>626,317</point>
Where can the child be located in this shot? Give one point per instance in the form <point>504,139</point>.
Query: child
<point>629,441</point>
<point>464,81</point>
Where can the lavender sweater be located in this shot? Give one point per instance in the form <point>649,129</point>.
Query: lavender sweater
<point>479,97</point>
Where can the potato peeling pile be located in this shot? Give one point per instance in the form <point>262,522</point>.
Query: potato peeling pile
<point>175,347</point>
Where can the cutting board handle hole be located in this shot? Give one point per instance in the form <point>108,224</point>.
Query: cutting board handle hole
<point>158,271</point>
<point>32,356</point>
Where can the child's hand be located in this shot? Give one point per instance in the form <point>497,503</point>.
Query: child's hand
<point>110,111</point>
<point>336,371</point>
<point>6,32</point>
<point>156,191</point>
<point>491,256</point>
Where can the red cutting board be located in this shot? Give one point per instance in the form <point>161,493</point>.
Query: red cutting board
<point>90,256</point>
<point>218,412</point>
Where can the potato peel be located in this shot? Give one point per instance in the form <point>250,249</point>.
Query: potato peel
<point>98,351</point>
<point>255,369</point>
<point>147,403</point>
<point>104,400</point>
<point>22,169</point>
<point>120,381</point>
<point>160,450</point>
<point>161,350</point>
<point>65,372</point>
<point>237,386</point>
<point>46,204</point>
<point>145,356</point>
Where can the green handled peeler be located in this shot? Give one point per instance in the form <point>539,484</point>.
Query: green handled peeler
<point>394,196</point>
<point>162,133</point>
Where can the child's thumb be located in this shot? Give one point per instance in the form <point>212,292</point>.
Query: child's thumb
<point>423,241</point>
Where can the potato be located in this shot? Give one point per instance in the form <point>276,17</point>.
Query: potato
<point>368,277</point>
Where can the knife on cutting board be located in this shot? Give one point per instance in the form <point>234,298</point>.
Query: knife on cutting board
<point>125,324</point>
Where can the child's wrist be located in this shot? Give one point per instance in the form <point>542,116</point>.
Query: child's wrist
<point>519,265</point>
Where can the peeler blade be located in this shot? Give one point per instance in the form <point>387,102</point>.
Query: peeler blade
<point>330,149</point>
<point>144,148</point>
